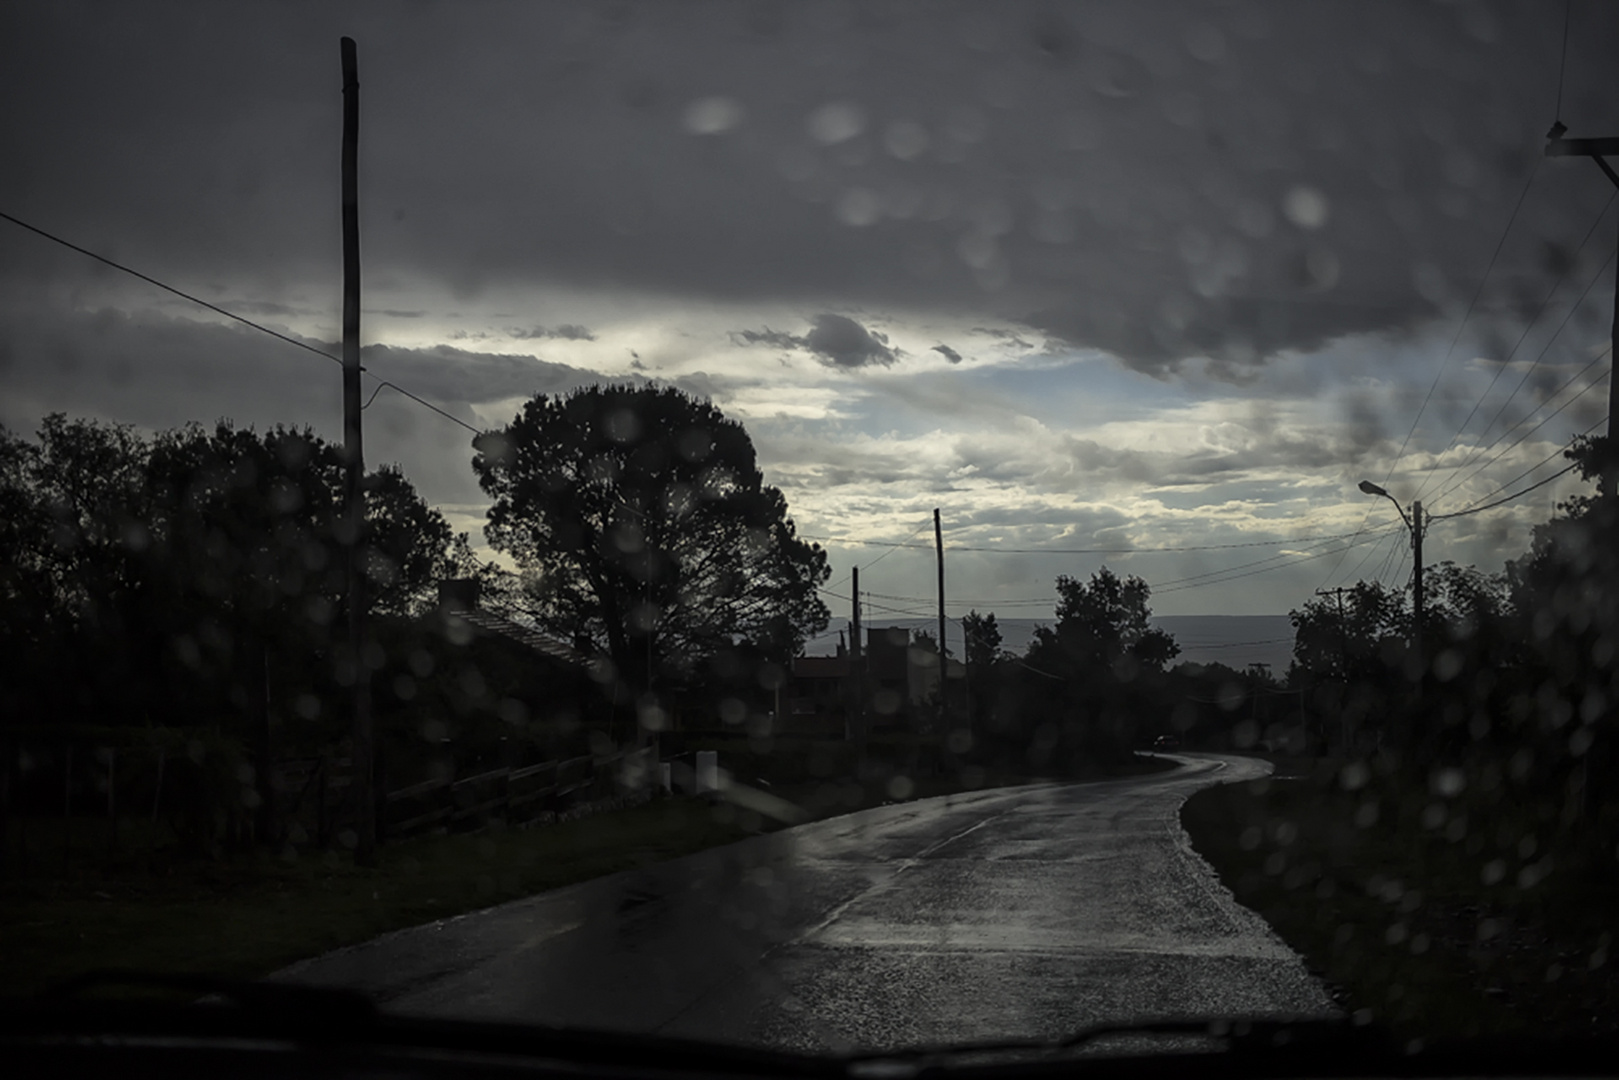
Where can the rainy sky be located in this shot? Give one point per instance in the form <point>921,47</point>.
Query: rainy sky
<point>1089,277</point>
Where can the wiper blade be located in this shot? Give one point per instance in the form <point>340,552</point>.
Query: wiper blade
<point>303,1009</point>
<point>1258,1046</point>
<point>1246,1034</point>
<point>213,1008</point>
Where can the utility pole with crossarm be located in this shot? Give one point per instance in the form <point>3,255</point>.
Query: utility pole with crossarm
<point>1598,150</point>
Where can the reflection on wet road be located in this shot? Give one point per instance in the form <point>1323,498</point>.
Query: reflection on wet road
<point>1023,912</point>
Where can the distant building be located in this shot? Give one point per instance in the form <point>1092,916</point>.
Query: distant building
<point>821,695</point>
<point>892,685</point>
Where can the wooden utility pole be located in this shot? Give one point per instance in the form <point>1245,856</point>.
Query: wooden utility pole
<point>1599,150</point>
<point>1343,655</point>
<point>854,613</point>
<point>944,670</point>
<point>857,667</point>
<point>365,851</point>
<point>1417,603</point>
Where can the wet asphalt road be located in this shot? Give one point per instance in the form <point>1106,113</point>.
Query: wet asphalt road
<point>1024,912</point>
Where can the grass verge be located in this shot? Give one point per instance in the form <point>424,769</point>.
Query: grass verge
<point>249,915</point>
<point>1432,918</point>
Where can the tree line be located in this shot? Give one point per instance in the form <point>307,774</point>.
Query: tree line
<point>190,584</point>
<point>1509,679</point>
<point>186,590</point>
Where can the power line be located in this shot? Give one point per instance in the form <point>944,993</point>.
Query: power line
<point>1509,498</point>
<point>1546,420</point>
<point>905,543</point>
<point>1477,451</point>
<point>1393,561</point>
<point>1263,570</point>
<point>891,548</point>
<point>1560,450</point>
<point>1496,254</point>
<point>230,315</point>
<point>1392,539</point>
<point>1528,326</point>
<point>1194,581</point>
<point>425,404</point>
<point>1083,551</point>
<point>169,288</point>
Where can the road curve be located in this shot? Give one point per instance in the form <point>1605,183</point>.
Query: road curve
<point>1019,912</point>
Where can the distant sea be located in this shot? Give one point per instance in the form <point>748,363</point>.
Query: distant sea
<point>1233,640</point>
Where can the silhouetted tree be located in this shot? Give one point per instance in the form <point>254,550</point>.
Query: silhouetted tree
<point>983,637</point>
<point>1110,658</point>
<point>1103,627</point>
<point>189,580</point>
<point>642,524</point>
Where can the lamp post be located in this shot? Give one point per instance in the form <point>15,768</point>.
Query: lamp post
<point>1414,525</point>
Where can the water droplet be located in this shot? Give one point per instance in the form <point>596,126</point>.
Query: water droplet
<point>1305,207</point>
<point>836,122</point>
<point>712,115</point>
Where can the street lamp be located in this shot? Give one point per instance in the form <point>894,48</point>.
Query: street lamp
<point>1414,525</point>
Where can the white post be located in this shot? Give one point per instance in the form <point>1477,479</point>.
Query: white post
<point>708,771</point>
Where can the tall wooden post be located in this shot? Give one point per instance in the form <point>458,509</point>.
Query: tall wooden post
<point>1599,150</point>
<point>365,851</point>
<point>1416,583</point>
<point>944,671</point>
<point>857,665</point>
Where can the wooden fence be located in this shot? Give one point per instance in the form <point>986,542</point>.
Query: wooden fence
<point>312,797</point>
<point>509,794</point>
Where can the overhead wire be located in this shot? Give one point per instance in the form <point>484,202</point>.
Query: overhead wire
<point>1484,449</point>
<point>1544,421</point>
<point>1537,465</point>
<point>997,550</point>
<point>1268,569</point>
<point>169,288</point>
<point>1514,495</point>
<point>1389,567</point>
<point>261,328</point>
<point>891,549</point>
<point>1528,326</point>
<point>1462,325</point>
<point>1391,539</point>
<point>1218,576</point>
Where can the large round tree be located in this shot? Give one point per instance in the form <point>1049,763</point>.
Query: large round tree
<point>641,522</point>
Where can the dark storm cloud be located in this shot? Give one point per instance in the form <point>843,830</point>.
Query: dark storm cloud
<point>1159,181</point>
<point>460,375</point>
<point>840,341</point>
<point>565,332</point>
<point>160,372</point>
<point>774,338</point>
<point>1010,337</point>
<point>836,340</point>
<point>948,353</point>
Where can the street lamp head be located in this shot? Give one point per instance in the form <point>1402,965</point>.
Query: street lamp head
<point>1372,489</point>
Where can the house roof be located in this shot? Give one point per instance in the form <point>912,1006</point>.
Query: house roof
<point>821,667</point>
<point>550,647</point>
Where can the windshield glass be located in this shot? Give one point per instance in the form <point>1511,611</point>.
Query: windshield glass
<point>829,525</point>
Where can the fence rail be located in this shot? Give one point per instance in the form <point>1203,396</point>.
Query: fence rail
<point>85,774</point>
<point>507,793</point>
